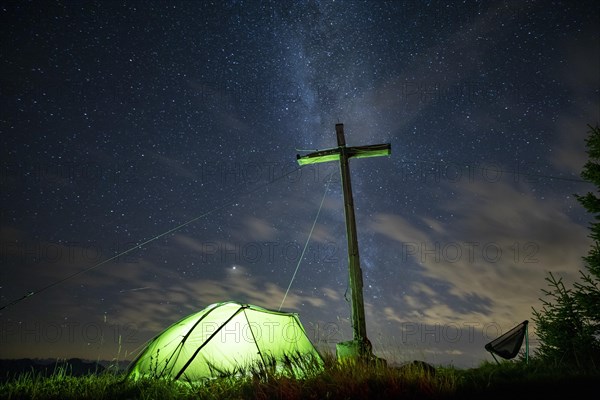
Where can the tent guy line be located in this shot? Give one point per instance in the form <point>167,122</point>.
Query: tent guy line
<point>139,245</point>
<point>306,244</point>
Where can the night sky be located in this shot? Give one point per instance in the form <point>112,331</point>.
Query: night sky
<point>177,125</point>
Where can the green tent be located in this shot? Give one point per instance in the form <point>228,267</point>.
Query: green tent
<point>227,338</point>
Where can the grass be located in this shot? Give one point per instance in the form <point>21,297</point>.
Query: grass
<point>335,381</point>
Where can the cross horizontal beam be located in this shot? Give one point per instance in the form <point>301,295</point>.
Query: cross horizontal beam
<point>374,150</point>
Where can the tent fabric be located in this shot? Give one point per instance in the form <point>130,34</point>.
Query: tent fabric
<point>223,338</point>
<point>508,345</point>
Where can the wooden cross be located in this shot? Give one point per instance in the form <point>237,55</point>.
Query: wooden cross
<point>360,346</point>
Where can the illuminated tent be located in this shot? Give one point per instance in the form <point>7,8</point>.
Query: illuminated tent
<point>224,339</point>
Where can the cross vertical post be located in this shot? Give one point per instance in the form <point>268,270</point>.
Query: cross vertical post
<point>359,325</point>
<point>360,345</point>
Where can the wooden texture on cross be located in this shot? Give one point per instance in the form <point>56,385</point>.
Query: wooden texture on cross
<point>343,155</point>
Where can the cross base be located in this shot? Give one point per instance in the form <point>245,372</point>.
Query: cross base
<point>355,351</point>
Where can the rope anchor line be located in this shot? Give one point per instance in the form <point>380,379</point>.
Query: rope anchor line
<point>306,243</point>
<point>140,245</point>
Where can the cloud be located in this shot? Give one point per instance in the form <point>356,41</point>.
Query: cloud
<point>259,229</point>
<point>488,262</point>
<point>236,284</point>
<point>397,228</point>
